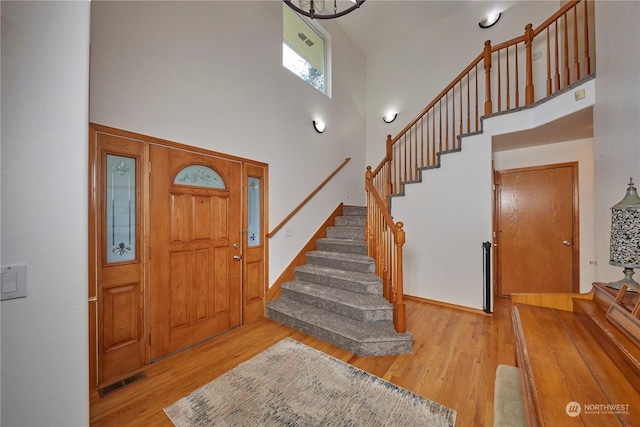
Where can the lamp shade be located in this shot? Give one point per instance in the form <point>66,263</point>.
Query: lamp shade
<point>625,230</point>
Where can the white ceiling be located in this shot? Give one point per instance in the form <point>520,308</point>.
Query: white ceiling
<point>378,24</point>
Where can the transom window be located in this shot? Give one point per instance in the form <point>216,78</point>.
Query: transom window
<point>304,50</point>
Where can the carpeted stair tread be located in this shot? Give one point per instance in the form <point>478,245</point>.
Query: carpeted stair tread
<point>356,306</point>
<point>337,295</point>
<point>354,210</point>
<point>341,279</point>
<point>352,233</point>
<point>348,262</point>
<point>361,338</point>
<point>351,221</point>
<point>345,246</point>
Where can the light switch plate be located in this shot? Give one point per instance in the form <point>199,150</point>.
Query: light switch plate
<point>14,281</point>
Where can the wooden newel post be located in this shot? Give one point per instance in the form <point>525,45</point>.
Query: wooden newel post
<point>528,41</point>
<point>389,188</point>
<point>399,309</point>
<point>488,106</point>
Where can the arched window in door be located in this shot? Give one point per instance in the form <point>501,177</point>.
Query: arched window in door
<point>200,176</point>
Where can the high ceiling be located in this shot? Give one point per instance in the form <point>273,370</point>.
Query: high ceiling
<point>380,23</point>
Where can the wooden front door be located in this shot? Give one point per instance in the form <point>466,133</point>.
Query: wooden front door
<point>195,227</point>
<point>537,229</point>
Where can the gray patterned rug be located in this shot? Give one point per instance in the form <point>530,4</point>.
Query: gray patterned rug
<point>291,384</point>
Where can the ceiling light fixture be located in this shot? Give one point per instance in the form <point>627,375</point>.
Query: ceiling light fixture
<point>319,126</point>
<point>314,8</point>
<point>489,20</point>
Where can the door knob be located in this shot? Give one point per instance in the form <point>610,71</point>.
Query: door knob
<point>566,242</point>
<point>237,257</point>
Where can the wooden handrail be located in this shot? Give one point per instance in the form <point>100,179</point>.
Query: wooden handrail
<point>385,213</point>
<point>304,202</point>
<point>385,240</point>
<point>439,96</point>
<point>429,134</point>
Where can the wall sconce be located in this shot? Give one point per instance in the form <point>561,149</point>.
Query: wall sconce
<point>489,20</point>
<point>625,237</point>
<point>388,118</point>
<point>319,126</point>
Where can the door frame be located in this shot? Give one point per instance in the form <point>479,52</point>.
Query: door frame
<point>94,194</point>
<point>575,249</point>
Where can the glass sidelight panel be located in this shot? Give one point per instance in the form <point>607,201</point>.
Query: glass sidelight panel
<point>199,176</point>
<point>253,211</point>
<point>121,208</point>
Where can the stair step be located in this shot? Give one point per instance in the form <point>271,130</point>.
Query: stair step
<point>361,283</point>
<point>360,338</point>
<point>345,246</point>
<point>347,262</point>
<point>351,221</point>
<point>363,307</point>
<point>352,233</point>
<point>354,210</point>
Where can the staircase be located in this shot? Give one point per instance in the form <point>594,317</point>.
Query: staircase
<point>337,296</point>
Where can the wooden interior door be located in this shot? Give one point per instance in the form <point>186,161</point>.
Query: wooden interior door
<point>537,229</point>
<point>117,257</point>
<point>253,243</point>
<point>195,249</point>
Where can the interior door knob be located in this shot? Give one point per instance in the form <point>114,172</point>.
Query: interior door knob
<point>566,242</point>
<point>237,257</point>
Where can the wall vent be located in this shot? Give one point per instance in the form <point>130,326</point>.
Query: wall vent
<point>108,389</point>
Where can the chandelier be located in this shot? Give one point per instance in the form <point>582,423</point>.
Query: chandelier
<point>315,9</point>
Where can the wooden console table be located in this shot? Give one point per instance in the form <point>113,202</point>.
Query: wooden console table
<point>576,367</point>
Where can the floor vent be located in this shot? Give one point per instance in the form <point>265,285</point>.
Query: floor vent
<point>106,390</point>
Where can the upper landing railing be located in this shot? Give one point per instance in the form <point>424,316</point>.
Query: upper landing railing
<point>517,73</point>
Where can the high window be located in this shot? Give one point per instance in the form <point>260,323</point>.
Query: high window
<point>304,50</point>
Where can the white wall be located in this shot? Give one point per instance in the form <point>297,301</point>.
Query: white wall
<point>580,151</point>
<point>406,77</point>
<point>447,217</point>
<point>210,74</point>
<point>616,124</point>
<point>45,57</point>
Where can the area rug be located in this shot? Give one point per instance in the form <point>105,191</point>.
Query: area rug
<point>291,384</point>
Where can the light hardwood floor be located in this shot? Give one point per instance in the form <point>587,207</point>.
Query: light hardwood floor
<point>454,359</point>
